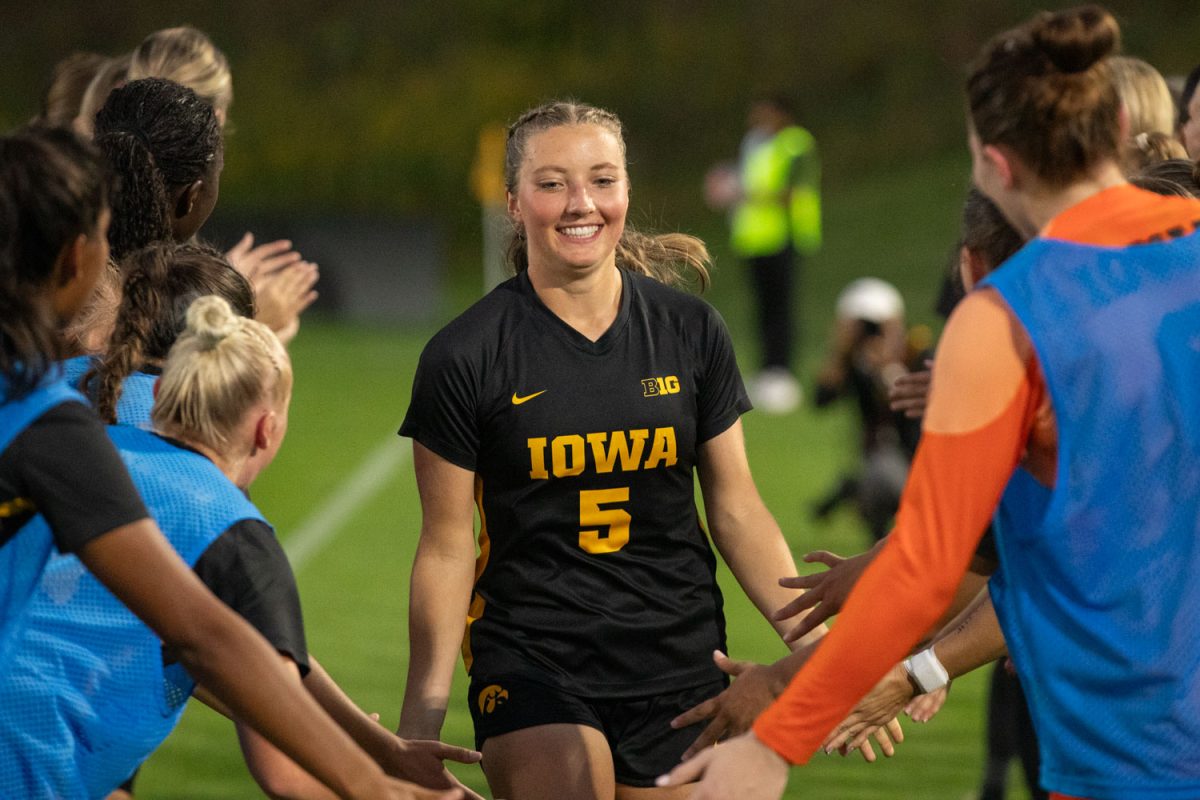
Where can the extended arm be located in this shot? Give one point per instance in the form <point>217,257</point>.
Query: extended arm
<point>280,777</point>
<point>442,576</point>
<point>979,419</point>
<point>221,650</point>
<point>972,640</point>
<point>742,528</point>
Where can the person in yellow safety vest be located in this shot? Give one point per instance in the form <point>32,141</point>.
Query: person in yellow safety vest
<point>776,222</point>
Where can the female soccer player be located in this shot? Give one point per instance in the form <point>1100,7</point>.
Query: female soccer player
<point>1066,391</point>
<point>221,410</point>
<point>56,462</point>
<point>161,283</point>
<point>574,405</point>
<point>283,281</point>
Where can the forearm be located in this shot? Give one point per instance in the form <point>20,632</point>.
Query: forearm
<point>972,640</point>
<point>297,725</point>
<point>752,545</point>
<point>964,599</point>
<point>372,737</point>
<point>223,652</point>
<point>277,776</point>
<point>439,599</point>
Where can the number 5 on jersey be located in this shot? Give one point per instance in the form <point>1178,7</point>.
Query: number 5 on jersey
<point>593,518</point>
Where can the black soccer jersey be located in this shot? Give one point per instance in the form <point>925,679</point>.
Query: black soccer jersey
<point>594,572</point>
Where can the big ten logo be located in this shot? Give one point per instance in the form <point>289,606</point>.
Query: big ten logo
<point>653,387</point>
<point>491,697</point>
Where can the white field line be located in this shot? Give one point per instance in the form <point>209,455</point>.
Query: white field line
<point>331,515</point>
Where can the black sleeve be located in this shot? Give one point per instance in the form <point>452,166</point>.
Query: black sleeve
<point>248,570</point>
<point>443,412</point>
<point>66,466</point>
<point>721,395</point>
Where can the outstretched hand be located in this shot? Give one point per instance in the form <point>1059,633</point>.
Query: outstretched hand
<point>744,768</point>
<point>923,707</point>
<point>283,282</point>
<point>254,262</point>
<point>825,592</point>
<point>734,710</point>
<point>420,761</point>
<point>874,714</point>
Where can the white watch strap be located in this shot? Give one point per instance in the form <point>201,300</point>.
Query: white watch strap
<point>926,671</point>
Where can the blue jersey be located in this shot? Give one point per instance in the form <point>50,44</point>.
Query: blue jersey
<point>24,556</point>
<point>1098,593</point>
<point>137,391</point>
<point>87,697</point>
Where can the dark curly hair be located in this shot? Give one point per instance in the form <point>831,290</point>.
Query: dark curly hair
<point>159,136</point>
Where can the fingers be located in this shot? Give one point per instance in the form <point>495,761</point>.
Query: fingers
<point>823,557</point>
<point>806,600</point>
<point>275,256</point>
<point>705,710</point>
<point>241,248</point>
<point>884,740</point>
<point>812,621</point>
<point>728,665</point>
<point>888,736</point>
<point>708,737</point>
<point>450,752</point>
<point>687,772</point>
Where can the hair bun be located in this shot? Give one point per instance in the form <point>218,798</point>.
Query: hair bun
<point>1075,39</point>
<point>211,319</point>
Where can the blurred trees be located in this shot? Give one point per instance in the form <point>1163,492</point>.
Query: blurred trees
<point>375,107</point>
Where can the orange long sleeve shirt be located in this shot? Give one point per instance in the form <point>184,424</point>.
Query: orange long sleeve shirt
<point>988,412</point>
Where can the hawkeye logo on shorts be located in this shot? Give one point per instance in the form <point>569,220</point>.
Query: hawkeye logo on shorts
<point>653,387</point>
<point>491,697</point>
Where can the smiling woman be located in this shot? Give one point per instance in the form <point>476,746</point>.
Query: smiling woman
<point>575,405</point>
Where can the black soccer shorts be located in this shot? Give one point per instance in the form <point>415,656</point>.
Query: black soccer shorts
<point>638,730</point>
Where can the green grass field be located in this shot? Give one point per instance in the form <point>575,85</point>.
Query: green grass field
<point>352,388</point>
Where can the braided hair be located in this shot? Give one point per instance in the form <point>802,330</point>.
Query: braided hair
<point>161,281</point>
<point>159,137</point>
<point>672,258</point>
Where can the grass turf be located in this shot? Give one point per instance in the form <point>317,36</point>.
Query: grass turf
<point>352,389</point>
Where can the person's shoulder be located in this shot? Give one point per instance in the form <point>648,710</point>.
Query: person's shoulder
<point>479,329</point>
<point>681,309</point>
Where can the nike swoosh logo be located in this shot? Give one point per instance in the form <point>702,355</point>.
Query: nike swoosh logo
<point>516,401</point>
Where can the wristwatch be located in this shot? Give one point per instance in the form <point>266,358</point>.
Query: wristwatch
<point>926,672</point>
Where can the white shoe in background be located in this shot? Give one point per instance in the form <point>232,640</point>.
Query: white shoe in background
<point>775,391</point>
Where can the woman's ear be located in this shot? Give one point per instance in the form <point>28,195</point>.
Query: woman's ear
<point>264,430</point>
<point>1001,163</point>
<point>514,212</point>
<point>185,201</point>
<point>70,260</point>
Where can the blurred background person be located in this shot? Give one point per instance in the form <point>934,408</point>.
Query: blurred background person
<point>68,84</point>
<point>775,224</point>
<point>870,347</point>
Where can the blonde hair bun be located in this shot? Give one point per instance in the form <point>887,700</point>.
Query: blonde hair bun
<point>211,320</point>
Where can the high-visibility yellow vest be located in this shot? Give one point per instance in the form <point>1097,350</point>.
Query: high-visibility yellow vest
<point>781,196</point>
